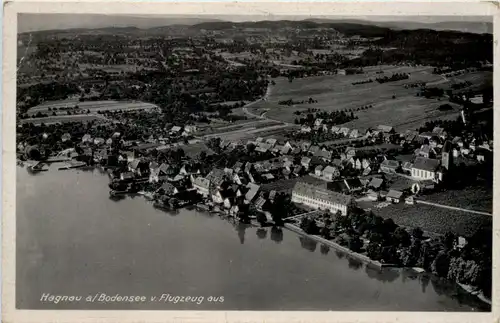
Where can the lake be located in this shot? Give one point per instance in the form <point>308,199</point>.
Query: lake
<point>73,240</point>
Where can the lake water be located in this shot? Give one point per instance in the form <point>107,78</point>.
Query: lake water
<point>73,240</point>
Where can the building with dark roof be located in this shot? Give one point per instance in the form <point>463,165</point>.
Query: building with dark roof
<point>447,155</point>
<point>425,168</point>
<point>321,198</point>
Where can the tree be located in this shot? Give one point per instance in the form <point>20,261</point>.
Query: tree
<point>374,251</point>
<point>417,233</point>
<point>449,240</point>
<point>355,243</point>
<point>402,237</point>
<point>441,264</point>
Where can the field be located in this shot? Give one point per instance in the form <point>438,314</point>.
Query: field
<point>61,119</point>
<point>93,106</point>
<point>333,93</point>
<point>434,219</point>
<point>474,198</point>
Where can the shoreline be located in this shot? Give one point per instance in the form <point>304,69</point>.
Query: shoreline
<point>378,265</point>
<point>364,259</point>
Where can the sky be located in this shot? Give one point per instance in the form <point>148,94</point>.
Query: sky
<point>35,22</point>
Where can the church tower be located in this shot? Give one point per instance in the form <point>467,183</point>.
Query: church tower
<point>447,155</point>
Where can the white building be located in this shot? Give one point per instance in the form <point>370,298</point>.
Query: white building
<point>202,186</point>
<point>321,198</point>
<point>425,169</point>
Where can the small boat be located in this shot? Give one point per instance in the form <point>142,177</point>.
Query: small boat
<point>117,193</point>
<point>37,167</point>
<point>71,165</point>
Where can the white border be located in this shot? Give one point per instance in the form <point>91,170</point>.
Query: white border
<point>254,8</point>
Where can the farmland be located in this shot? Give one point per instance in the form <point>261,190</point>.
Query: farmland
<point>333,93</point>
<point>434,219</point>
<point>479,198</point>
<point>93,106</point>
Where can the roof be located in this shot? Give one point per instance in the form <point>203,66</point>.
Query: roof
<point>376,182</point>
<point>385,128</point>
<point>306,160</point>
<point>438,130</point>
<point>427,164</point>
<point>319,168</point>
<point>390,163</point>
<point>329,170</point>
<point>394,194</point>
<point>316,192</point>
<point>253,189</point>
<point>201,182</point>
<point>216,176</point>
<point>176,128</point>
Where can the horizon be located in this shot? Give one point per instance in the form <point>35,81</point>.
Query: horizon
<point>43,22</point>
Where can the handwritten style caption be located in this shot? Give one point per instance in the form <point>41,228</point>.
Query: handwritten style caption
<point>117,298</point>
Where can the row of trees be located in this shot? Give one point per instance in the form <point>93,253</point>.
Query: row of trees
<point>390,243</point>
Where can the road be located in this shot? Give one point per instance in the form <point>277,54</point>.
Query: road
<point>451,207</point>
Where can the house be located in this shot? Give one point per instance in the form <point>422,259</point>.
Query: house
<point>321,198</point>
<point>438,131</point>
<point>305,161</point>
<point>109,141</point>
<point>330,173</point>
<point>354,133</point>
<point>373,196</point>
<point>389,166</point>
<point>305,146</point>
<point>99,141</point>
<point>410,200</point>
<point>350,152</point>
<point>65,137</point>
<point>376,183</point>
<point>358,163</point>
<point>87,139</point>
<point>190,129</point>
<point>424,168</point>
<point>318,171</point>
<point>250,195</point>
<point>127,176</point>
<point>335,129</point>
<point>271,142</point>
<point>262,204</point>
<point>216,177</point>
<point>297,170</point>
<point>238,167</point>
<point>313,150</point>
<point>176,130</point>
<point>139,167</point>
<point>426,135</point>
<point>426,151</point>
<point>305,129</point>
<point>386,129</point>
<point>394,196</point>
<point>344,131</point>
<point>263,147</point>
<point>259,140</point>
<point>201,185</point>
<point>324,154</point>
<point>268,177</point>
<point>353,184</point>
<point>318,122</point>
<point>168,189</point>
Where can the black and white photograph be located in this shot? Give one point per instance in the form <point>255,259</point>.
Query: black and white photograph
<point>253,162</point>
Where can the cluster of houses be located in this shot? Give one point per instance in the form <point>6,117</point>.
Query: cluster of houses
<point>380,131</point>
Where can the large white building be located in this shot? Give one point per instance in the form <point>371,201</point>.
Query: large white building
<point>426,169</point>
<point>321,198</point>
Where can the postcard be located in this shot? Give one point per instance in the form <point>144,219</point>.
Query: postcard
<point>248,162</point>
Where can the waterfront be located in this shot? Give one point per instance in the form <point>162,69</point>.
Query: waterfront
<point>72,239</point>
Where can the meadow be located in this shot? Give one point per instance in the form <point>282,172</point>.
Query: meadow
<point>393,104</point>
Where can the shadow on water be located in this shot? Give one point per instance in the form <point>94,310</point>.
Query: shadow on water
<point>276,234</point>
<point>354,263</point>
<point>308,243</point>
<point>241,228</point>
<point>261,233</point>
<point>324,249</point>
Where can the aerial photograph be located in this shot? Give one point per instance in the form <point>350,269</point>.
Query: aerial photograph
<point>254,163</point>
